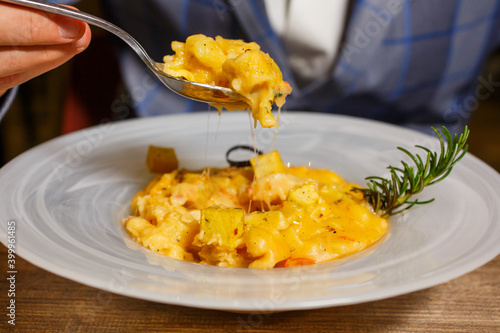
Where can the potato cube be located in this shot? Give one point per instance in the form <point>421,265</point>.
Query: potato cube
<point>266,164</point>
<point>222,227</point>
<point>270,221</point>
<point>161,160</point>
<point>304,195</point>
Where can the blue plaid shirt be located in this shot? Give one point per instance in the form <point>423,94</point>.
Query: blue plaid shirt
<point>415,63</point>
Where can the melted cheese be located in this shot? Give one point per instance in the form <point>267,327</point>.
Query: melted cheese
<point>233,64</point>
<point>287,216</point>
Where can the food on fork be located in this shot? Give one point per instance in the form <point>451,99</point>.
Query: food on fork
<point>233,64</point>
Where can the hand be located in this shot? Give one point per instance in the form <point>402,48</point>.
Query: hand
<point>33,42</point>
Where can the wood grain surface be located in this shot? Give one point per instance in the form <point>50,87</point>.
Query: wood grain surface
<point>48,303</point>
<point>471,303</point>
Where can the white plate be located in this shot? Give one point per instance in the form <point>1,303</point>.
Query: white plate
<point>67,197</point>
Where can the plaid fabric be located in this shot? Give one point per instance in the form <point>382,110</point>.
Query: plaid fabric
<point>411,62</point>
<point>415,63</point>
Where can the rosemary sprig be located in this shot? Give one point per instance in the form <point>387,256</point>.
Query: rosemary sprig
<point>392,196</point>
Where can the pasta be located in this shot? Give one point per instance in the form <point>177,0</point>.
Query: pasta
<point>234,64</point>
<point>262,216</point>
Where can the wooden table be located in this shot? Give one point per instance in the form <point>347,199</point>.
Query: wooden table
<point>48,303</point>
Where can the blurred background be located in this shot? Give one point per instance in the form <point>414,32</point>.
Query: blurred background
<point>73,97</point>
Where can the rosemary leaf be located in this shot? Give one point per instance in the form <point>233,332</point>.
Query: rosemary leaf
<point>391,196</point>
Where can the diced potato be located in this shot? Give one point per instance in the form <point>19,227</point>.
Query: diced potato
<point>304,195</point>
<point>266,164</point>
<point>161,159</point>
<point>270,221</point>
<point>221,227</point>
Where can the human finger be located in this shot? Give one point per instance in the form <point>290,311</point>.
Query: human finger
<point>20,64</point>
<point>25,26</point>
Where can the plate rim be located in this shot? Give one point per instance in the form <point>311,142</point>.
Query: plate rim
<point>314,303</point>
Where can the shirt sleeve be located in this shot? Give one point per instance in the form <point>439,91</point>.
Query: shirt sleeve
<point>6,101</point>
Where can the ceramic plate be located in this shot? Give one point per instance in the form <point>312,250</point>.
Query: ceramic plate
<point>67,197</point>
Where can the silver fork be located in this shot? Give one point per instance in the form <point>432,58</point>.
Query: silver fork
<point>193,90</point>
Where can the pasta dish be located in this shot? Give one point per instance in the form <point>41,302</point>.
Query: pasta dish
<point>261,216</point>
